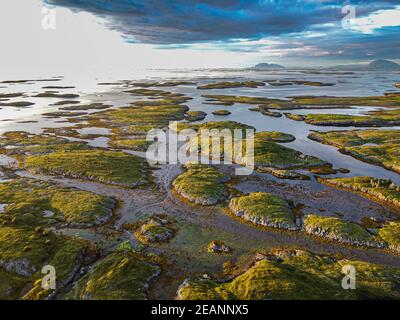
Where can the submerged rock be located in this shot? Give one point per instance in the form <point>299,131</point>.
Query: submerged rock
<point>221,112</point>
<point>217,246</point>
<point>156,229</point>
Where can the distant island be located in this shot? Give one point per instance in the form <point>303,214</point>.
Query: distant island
<point>268,66</point>
<point>376,65</point>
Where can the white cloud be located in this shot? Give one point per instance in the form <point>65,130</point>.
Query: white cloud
<point>378,20</point>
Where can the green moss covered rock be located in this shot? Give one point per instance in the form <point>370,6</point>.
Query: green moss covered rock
<point>380,147</point>
<point>195,115</point>
<point>377,189</point>
<point>218,246</point>
<point>231,84</point>
<point>268,153</point>
<point>155,229</point>
<point>103,166</point>
<point>119,276</point>
<point>201,184</point>
<point>297,275</point>
<point>25,251</point>
<point>264,209</point>
<point>284,174</point>
<point>39,203</point>
<point>339,230</point>
<point>221,112</point>
<point>390,233</point>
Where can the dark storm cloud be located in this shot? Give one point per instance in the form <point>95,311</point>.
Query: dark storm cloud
<point>293,26</point>
<point>189,21</point>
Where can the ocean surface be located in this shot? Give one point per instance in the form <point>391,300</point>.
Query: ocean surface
<point>346,84</point>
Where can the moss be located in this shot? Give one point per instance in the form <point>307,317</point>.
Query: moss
<point>84,107</point>
<point>304,102</point>
<point>273,103</point>
<point>323,170</point>
<point>267,153</point>
<point>279,83</point>
<point>296,117</point>
<point>284,174</point>
<point>222,125</point>
<point>173,83</point>
<point>11,285</point>
<point>119,276</point>
<point>65,102</point>
<point>218,246</point>
<point>390,233</point>
<point>195,115</point>
<point>67,261</point>
<point>381,147</point>
<point>270,154</point>
<point>201,184</point>
<point>221,112</point>
<point>23,253</point>
<point>11,95</point>
<point>82,207</point>
<point>69,205</point>
<point>54,94</point>
<point>22,138</point>
<point>297,275</point>
<point>227,85</point>
<point>147,92</point>
<point>371,119</point>
<point>377,189</point>
<point>58,87</point>
<point>17,104</point>
<point>219,103</point>
<point>338,230</point>
<point>274,136</point>
<point>155,229</point>
<point>103,166</point>
<point>137,144</point>
<point>58,114</point>
<point>264,209</point>
<point>388,100</point>
<point>146,116</point>
<point>264,109</point>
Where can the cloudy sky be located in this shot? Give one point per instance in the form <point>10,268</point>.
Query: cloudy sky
<point>191,33</point>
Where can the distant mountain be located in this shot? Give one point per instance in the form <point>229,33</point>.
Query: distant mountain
<point>376,65</point>
<point>383,65</point>
<point>268,66</point>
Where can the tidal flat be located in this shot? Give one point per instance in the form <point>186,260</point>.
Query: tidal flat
<point>77,193</point>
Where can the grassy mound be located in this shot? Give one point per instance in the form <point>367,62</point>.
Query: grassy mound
<point>391,234</point>
<point>103,166</point>
<point>201,184</point>
<point>381,118</point>
<point>119,276</point>
<point>43,203</point>
<point>296,275</point>
<point>381,147</point>
<point>264,209</point>
<point>231,84</point>
<point>338,230</point>
<point>270,154</point>
<point>377,189</point>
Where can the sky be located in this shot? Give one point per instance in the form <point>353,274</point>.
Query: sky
<point>80,36</point>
